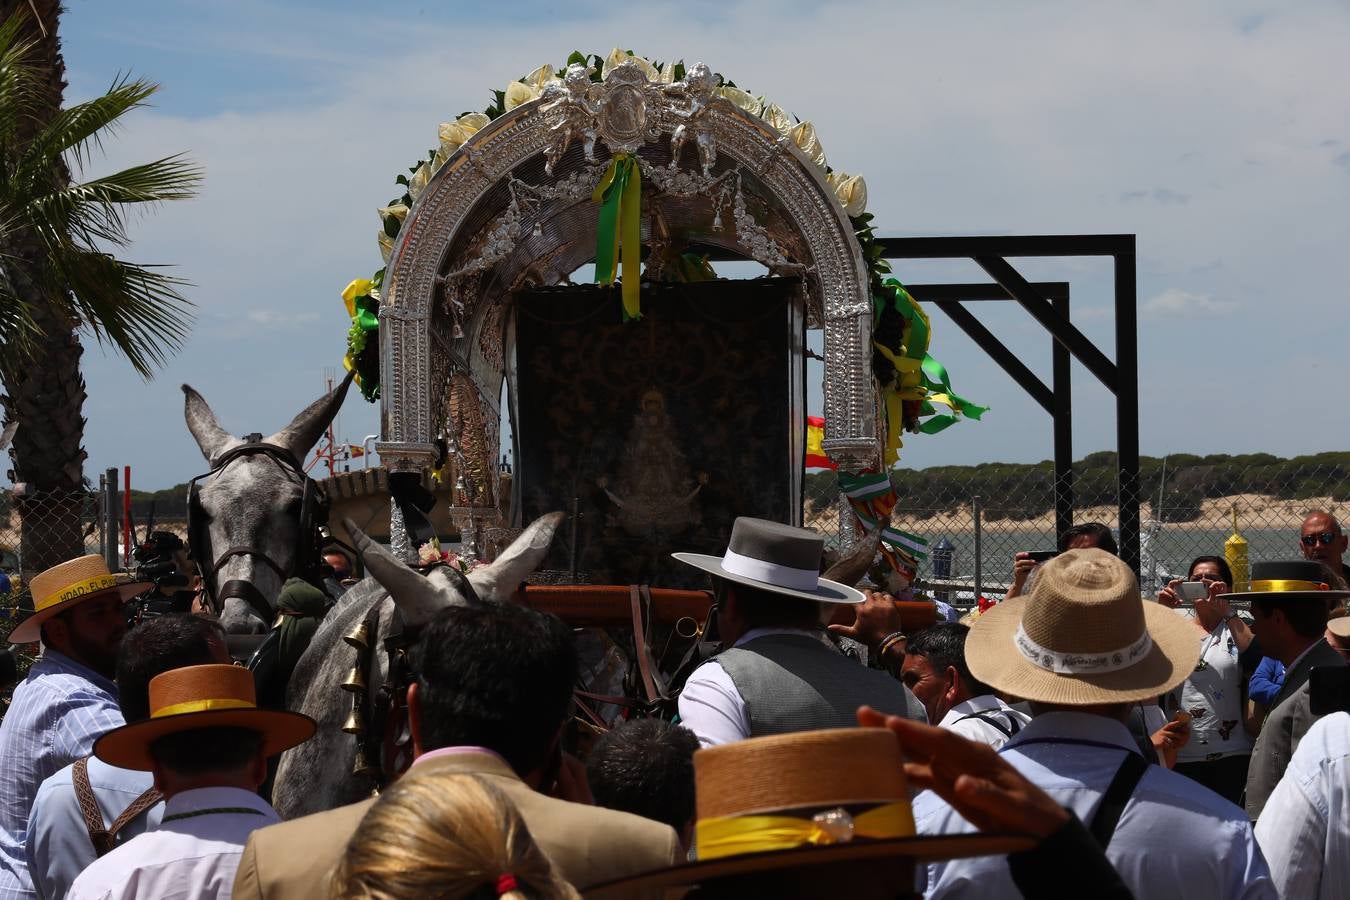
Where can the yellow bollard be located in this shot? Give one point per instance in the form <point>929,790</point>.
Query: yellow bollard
<point>1235,551</point>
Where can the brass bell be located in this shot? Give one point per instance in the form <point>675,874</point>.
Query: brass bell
<point>359,637</point>
<point>363,766</point>
<point>356,681</point>
<point>356,721</point>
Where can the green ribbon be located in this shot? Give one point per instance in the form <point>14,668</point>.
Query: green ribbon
<point>619,194</point>
<point>938,382</point>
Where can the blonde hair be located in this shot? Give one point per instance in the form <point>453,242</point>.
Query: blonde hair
<point>447,836</point>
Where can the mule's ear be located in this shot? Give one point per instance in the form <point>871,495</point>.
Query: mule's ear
<point>851,569</point>
<point>416,597</point>
<point>500,580</point>
<point>201,421</point>
<point>306,428</point>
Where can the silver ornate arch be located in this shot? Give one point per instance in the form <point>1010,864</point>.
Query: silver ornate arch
<point>512,208</point>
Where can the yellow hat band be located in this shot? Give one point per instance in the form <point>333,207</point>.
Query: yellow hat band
<point>77,590</point>
<point>734,835</point>
<point>192,706</point>
<point>1279,585</point>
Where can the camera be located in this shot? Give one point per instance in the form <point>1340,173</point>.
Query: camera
<point>157,562</point>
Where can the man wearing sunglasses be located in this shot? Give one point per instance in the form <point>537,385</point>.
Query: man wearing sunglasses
<point>1323,540</point>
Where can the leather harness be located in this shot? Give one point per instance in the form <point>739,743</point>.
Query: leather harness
<point>313,514</point>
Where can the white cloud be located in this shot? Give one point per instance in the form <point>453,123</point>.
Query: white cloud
<point>1175,301</point>
<point>1051,118</point>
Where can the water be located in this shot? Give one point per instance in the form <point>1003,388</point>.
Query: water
<point>1169,552</point>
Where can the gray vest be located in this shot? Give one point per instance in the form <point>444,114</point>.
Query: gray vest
<point>794,682</point>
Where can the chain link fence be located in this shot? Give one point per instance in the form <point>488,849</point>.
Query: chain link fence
<point>984,514</point>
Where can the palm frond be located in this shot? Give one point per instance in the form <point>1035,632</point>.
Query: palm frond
<point>21,78</point>
<point>91,211</point>
<point>79,130</point>
<point>137,311</point>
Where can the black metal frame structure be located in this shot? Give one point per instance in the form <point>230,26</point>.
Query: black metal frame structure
<point>1048,303</point>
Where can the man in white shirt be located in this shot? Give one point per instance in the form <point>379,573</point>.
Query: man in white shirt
<point>64,819</point>
<point>779,673</point>
<point>935,669</point>
<point>207,744</point>
<point>1304,829</point>
<point>1083,648</point>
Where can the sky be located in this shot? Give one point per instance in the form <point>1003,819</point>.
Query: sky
<point>1218,132</point>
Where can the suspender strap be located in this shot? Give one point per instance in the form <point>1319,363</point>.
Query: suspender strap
<point>992,718</point>
<point>1117,795</point>
<point>104,839</point>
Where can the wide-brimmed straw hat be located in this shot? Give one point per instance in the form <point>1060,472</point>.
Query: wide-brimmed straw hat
<point>806,814</point>
<point>1296,579</point>
<point>64,585</point>
<point>777,558</point>
<point>210,696</point>
<point>1082,637</point>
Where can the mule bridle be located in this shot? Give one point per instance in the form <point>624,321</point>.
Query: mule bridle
<point>198,539</point>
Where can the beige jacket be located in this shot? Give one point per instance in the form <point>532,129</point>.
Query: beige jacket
<point>588,844</point>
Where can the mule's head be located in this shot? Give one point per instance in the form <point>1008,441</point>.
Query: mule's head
<point>420,597</point>
<point>246,528</point>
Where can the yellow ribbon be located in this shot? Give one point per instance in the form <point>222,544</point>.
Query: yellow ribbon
<point>619,230</point>
<point>734,835</point>
<point>1277,585</point>
<point>77,590</point>
<point>192,706</point>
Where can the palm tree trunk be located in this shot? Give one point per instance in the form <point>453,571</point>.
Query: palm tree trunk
<point>45,394</point>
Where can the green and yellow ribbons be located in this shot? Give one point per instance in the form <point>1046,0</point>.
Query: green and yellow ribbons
<point>361,298</point>
<point>735,835</point>
<point>916,380</point>
<point>619,194</point>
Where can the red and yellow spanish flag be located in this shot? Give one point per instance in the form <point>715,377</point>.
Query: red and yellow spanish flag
<point>815,454</point>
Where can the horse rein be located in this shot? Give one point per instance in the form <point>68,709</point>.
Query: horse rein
<point>238,589</point>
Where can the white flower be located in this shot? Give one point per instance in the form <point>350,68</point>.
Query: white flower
<point>428,553</point>
<point>453,134</point>
<point>386,246</point>
<point>803,134</point>
<point>775,116</point>
<point>397,210</point>
<point>518,92</point>
<point>851,191</point>
<point>419,180</point>
<point>540,76</point>
<point>742,99</point>
<point>618,57</point>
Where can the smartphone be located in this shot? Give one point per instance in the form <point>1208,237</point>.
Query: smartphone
<point>1193,590</point>
<point>1041,556</point>
<point>1329,689</point>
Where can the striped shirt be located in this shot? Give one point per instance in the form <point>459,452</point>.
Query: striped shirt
<point>1304,829</point>
<point>57,713</point>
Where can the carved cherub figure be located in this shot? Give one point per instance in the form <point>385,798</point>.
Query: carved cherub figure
<point>699,89</point>
<point>572,98</point>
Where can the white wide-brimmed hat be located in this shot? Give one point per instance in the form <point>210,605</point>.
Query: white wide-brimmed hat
<point>1082,637</point>
<point>777,558</point>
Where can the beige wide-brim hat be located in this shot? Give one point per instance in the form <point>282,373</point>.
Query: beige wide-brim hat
<point>777,558</point>
<point>207,696</point>
<point>67,584</point>
<point>1082,637</point>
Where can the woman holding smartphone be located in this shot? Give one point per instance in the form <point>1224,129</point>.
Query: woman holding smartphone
<point>1220,748</point>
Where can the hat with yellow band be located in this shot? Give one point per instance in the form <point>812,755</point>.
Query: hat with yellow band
<point>63,586</point>
<point>1295,579</point>
<point>806,814</point>
<point>211,696</point>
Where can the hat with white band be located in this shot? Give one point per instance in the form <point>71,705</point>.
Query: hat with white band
<point>776,558</point>
<point>1082,637</point>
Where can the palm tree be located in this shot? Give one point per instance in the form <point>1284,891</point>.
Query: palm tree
<point>58,272</point>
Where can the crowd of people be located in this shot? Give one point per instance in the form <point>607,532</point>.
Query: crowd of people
<point>1075,737</point>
